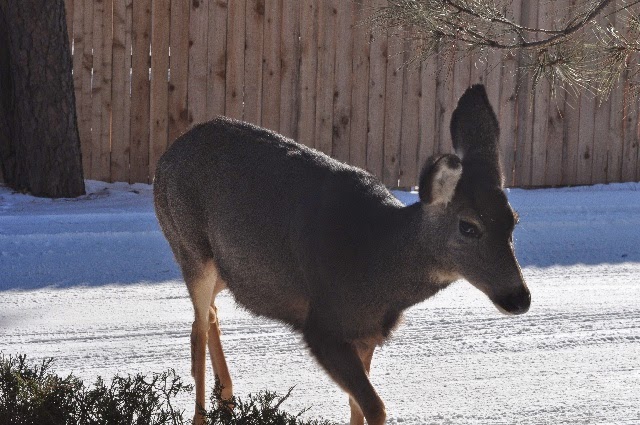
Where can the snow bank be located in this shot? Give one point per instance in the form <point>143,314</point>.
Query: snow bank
<point>92,282</point>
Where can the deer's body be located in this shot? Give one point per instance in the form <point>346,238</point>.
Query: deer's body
<point>324,247</point>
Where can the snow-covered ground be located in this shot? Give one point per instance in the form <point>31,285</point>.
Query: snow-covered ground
<point>92,283</point>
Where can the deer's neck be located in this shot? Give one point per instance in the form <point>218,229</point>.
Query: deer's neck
<point>407,258</point>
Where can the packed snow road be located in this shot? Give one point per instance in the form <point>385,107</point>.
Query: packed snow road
<point>92,283</point>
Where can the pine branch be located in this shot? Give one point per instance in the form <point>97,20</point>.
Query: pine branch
<point>589,51</point>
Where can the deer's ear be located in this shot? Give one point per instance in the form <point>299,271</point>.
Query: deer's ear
<point>475,134</point>
<point>439,179</point>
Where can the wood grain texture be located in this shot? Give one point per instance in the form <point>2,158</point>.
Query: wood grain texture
<point>327,11</point>
<point>308,71</point>
<point>615,142</point>
<point>121,53</point>
<point>198,61</point>
<point>159,103</point>
<point>410,136</point>
<point>290,68</point>
<point>140,63</point>
<point>427,110</point>
<point>253,60</point>
<point>272,58</point>
<point>217,73</point>
<point>178,110</point>
<point>631,134</point>
<point>85,100</point>
<point>104,158</point>
<point>393,115</point>
<point>359,88</point>
<point>542,112</point>
<point>95,170</point>
<point>378,59</point>
<point>234,91</point>
<point>343,81</point>
<point>526,108</point>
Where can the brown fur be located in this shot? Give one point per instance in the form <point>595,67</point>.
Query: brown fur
<point>343,257</point>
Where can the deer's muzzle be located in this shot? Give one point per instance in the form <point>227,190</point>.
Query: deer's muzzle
<point>514,303</point>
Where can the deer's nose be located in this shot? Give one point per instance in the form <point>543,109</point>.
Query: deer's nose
<point>517,303</point>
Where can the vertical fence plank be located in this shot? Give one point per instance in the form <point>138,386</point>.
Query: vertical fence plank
<point>444,99</point>
<point>308,71</point>
<point>616,135</point>
<point>542,112</point>
<point>104,157</point>
<point>234,91</point>
<point>216,82</point>
<point>461,79</point>
<point>410,140</point>
<point>616,128</point>
<point>393,115</point>
<point>427,110</point>
<point>141,32</point>
<point>341,127</point>
<point>631,140</point>
<point>556,131</point>
<point>96,89</point>
<point>119,166</point>
<point>254,37</point>
<point>198,61</point>
<point>128,64</point>
<point>359,88</point>
<point>159,103</point>
<point>508,116</point>
<point>585,144</point>
<point>601,138</point>
<point>325,75</point>
<point>290,71</point>
<point>178,109</point>
<point>526,108</point>
<point>555,140</point>
<point>378,58</point>
<point>84,124</point>
<point>272,60</point>
<point>570,150</point>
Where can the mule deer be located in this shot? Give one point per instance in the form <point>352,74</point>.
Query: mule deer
<point>324,247</point>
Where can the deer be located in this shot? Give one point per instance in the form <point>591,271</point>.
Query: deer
<point>325,247</point>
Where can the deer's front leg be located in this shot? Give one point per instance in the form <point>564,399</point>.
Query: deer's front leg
<point>342,362</point>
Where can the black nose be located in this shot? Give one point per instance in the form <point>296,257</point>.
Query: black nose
<point>517,303</point>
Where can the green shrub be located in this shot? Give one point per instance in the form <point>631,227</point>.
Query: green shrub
<point>260,409</point>
<point>31,394</point>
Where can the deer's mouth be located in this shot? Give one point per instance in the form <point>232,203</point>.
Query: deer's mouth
<point>515,303</point>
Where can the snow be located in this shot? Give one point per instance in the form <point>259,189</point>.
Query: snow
<point>92,282</point>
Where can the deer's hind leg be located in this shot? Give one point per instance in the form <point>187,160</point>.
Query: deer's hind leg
<point>215,346</point>
<point>202,279</point>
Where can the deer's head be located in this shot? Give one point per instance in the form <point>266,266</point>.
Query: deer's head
<point>463,194</point>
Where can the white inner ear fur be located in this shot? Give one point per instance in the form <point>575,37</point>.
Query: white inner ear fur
<point>445,180</point>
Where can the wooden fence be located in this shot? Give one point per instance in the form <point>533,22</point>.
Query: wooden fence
<point>146,70</point>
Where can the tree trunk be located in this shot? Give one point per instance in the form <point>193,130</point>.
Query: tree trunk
<point>39,141</point>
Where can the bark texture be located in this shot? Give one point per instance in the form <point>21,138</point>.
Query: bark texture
<point>39,141</point>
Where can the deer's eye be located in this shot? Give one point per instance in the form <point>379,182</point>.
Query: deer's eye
<point>469,230</point>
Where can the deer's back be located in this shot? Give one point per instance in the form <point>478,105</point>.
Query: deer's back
<point>275,216</point>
